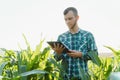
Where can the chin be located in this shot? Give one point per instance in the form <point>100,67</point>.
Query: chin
<point>70,27</point>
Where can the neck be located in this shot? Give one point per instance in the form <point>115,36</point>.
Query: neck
<point>74,30</point>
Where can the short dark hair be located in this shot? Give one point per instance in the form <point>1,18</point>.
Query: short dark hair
<point>73,9</point>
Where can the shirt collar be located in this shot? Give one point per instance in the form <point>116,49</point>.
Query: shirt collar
<point>76,32</point>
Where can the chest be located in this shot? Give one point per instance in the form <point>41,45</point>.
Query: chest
<point>75,41</point>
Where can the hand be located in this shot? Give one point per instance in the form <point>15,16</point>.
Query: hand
<point>58,48</point>
<point>74,53</point>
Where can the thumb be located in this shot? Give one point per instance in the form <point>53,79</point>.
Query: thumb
<point>70,50</point>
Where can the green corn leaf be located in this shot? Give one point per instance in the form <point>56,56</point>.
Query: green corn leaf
<point>56,76</point>
<point>83,74</point>
<point>33,72</point>
<point>2,67</point>
<point>27,43</point>
<point>116,53</point>
<point>39,46</point>
<point>109,70</point>
<point>94,57</point>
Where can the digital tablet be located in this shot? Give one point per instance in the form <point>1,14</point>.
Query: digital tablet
<point>51,43</point>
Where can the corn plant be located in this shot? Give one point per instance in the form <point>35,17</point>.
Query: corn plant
<point>8,67</point>
<point>116,58</point>
<point>108,65</point>
<point>101,72</point>
<point>39,64</point>
<point>29,64</point>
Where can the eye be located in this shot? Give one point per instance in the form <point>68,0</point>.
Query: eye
<point>69,18</point>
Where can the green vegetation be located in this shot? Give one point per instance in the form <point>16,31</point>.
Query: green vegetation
<point>29,64</point>
<point>107,66</point>
<point>39,64</point>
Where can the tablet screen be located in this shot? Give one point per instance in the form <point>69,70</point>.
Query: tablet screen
<point>51,43</point>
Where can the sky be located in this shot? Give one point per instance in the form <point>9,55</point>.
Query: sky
<point>43,19</point>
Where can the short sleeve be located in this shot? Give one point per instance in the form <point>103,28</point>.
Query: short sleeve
<point>91,46</point>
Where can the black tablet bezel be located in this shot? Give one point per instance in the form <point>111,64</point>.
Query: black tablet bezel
<point>51,43</point>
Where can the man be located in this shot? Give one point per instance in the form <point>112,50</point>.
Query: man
<point>79,42</point>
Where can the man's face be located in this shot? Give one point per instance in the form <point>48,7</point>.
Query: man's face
<point>70,19</point>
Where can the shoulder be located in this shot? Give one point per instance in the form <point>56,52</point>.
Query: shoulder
<point>85,32</point>
<point>63,36</point>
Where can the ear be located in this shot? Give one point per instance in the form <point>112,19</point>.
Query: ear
<point>77,17</point>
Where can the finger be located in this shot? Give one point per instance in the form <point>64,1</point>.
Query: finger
<point>54,45</point>
<point>54,49</point>
<point>62,47</point>
<point>57,45</point>
<point>71,51</point>
<point>70,54</point>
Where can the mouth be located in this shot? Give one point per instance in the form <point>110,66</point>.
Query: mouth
<point>69,25</point>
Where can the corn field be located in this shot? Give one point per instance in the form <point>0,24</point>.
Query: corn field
<point>39,64</point>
